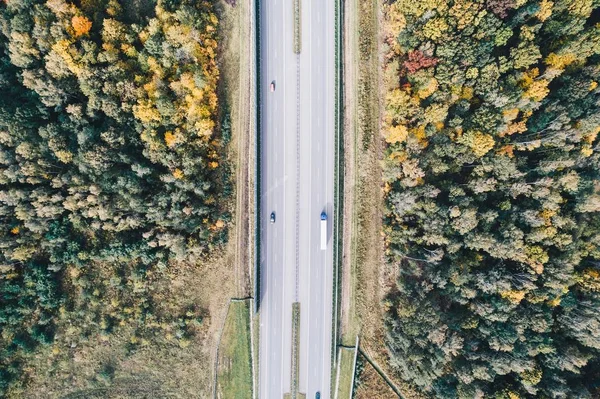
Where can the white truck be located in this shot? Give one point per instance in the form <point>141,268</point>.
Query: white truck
<point>323,230</point>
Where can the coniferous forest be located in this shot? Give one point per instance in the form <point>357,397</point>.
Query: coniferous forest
<point>110,162</point>
<point>492,196</point>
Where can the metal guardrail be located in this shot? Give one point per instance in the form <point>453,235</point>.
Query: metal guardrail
<point>297,265</point>
<point>338,174</point>
<point>257,182</point>
<point>257,177</point>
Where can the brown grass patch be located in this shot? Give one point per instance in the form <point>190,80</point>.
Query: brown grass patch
<point>124,365</point>
<point>369,384</point>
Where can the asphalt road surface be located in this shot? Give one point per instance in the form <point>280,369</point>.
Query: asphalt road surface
<point>297,184</point>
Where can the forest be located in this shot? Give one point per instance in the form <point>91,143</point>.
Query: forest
<point>492,196</point>
<point>111,165</point>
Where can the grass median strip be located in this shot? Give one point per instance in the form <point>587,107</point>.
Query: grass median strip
<point>297,28</point>
<point>295,348</point>
<point>234,373</point>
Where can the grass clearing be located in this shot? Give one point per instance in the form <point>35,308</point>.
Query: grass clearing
<point>234,371</point>
<point>346,369</point>
<point>122,365</point>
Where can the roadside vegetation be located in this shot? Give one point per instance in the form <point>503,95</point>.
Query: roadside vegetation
<point>365,276</point>
<point>116,197</point>
<point>362,203</point>
<point>234,369</point>
<point>492,198</point>
<point>369,384</point>
<point>346,370</point>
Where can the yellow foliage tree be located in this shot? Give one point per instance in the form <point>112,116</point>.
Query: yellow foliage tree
<point>112,30</point>
<point>395,20</point>
<point>560,61</point>
<point>510,114</point>
<point>587,150</point>
<point>513,395</point>
<point>581,8</point>
<point>170,139</point>
<point>435,28</point>
<point>396,134</point>
<point>545,10</point>
<point>480,143</point>
<point>467,93</point>
<point>62,48</point>
<point>538,90</point>
<point>178,173</point>
<point>145,112</point>
<point>466,13</point>
<point>81,25</point>
<point>428,89</point>
<point>532,377</point>
<point>420,135</point>
<point>590,280</point>
<point>536,258</point>
<point>513,296</point>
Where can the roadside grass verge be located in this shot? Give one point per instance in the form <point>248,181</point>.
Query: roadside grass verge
<point>363,244</point>
<point>238,65</point>
<point>346,369</point>
<point>234,370</point>
<point>236,98</point>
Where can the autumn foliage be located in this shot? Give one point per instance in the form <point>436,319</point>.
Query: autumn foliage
<point>491,176</point>
<point>418,60</point>
<point>81,25</point>
<point>110,166</point>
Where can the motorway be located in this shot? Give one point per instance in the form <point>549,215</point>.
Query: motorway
<point>297,147</point>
